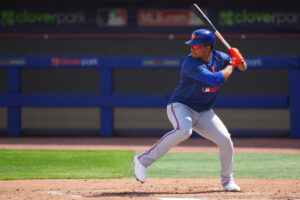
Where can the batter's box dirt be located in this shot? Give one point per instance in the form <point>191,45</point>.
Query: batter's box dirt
<point>153,189</point>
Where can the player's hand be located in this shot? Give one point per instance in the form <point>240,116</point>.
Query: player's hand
<point>235,62</point>
<point>236,57</point>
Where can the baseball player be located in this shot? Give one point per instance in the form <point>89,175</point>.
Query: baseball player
<point>190,106</point>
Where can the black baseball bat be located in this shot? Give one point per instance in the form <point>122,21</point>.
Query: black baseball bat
<point>208,23</point>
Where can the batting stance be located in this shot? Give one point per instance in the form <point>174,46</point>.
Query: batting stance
<point>190,106</point>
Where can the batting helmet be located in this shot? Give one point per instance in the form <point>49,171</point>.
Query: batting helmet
<point>202,37</point>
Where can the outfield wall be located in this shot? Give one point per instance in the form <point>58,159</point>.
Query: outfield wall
<point>112,95</point>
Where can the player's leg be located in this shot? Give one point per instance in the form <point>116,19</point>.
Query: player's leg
<point>211,127</point>
<point>180,117</point>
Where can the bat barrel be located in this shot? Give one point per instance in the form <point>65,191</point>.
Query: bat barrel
<point>203,17</point>
<point>208,24</point>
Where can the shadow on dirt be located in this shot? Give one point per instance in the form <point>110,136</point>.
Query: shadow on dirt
<point>147,194</point>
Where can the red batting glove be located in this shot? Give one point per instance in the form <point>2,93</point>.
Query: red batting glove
<point>235,62</point>
<point>236,56</point>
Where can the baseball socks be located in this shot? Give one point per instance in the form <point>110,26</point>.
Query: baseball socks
<point>139,170</point>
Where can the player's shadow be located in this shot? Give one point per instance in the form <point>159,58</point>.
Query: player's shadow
<point>145,194</point>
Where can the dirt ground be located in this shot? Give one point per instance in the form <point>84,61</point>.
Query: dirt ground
<point>153,189</point>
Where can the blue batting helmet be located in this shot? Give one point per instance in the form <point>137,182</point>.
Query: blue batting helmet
<point>202,37</point>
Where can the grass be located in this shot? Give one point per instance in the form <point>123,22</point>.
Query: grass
<point>275,166</point>
<point>48,164</point>
<point>42,164</point>
<point>207,165</point>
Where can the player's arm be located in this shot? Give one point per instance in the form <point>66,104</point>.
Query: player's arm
<point>227,71</point>
<point>215,79</point>
<point>203,75</point>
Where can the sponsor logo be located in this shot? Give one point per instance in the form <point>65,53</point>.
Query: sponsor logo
<point>11,17</point>
<point>13,62</point>
<point>168,18</point>
<point>111,17</point>
<point>254,62</point>
<point>56,62</point>
<point>193,36</point>
<point>70,18</point>
<point>161,63</point>
<point>230,18</point>
<point>211,89</point>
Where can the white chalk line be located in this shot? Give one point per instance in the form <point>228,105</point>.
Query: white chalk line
<point>59,193</point>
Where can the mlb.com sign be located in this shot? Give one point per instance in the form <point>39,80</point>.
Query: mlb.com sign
<point>82,62</point>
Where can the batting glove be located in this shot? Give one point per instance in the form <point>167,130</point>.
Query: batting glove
<point>236,56</point>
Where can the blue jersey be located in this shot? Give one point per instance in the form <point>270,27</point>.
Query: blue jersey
<point>199,81</point>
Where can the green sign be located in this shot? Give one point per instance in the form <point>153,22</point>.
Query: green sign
<point>10,17</point>
<point>231,18</point>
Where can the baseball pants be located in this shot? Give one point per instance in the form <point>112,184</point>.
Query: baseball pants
<point>185,120</point>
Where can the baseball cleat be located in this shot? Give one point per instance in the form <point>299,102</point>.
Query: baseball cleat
<point>139,170</point>
<point>231,186</point>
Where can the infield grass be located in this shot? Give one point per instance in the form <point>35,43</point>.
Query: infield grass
<point>62,164</point>
<point>42,164</point>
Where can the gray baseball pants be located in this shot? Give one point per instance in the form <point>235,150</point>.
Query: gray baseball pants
<point>185,120</point>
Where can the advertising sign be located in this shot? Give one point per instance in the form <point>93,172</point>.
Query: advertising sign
<point>260,20</point>
<point>140,17</point>
<point>168,18</point>
<point>232,18</point>
<point>12,18</point>
<point>111,17</point>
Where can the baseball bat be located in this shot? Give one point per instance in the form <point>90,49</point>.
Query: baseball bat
<point>209,25</point>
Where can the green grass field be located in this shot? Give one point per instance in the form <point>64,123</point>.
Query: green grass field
<point>42,164</point>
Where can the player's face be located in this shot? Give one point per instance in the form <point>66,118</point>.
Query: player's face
<point>197,51</point>
<point>200,52</point>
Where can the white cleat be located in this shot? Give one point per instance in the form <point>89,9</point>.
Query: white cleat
<point>139,170</point>
<point>231,186</point>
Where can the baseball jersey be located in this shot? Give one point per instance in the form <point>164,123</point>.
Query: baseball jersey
<point>199,81</point>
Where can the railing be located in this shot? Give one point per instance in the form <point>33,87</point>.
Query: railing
<point>107,100</point>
